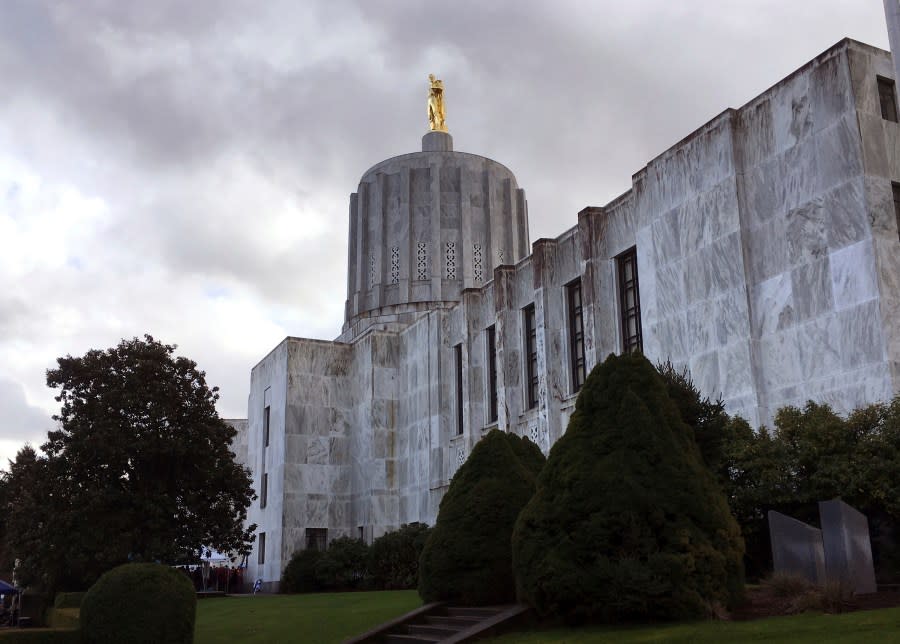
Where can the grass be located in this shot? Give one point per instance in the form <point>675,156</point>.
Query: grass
<point>322,618</point>
<point>865,627</point>
<point>328,618</point>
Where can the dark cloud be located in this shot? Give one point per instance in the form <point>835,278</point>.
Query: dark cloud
<point>222,138</point>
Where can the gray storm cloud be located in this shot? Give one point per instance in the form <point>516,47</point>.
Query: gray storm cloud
<point>182,168</point>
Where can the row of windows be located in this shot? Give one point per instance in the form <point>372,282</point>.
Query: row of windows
<point>632,339</point>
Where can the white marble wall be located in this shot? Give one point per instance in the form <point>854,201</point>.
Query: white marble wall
<point>769,264</point>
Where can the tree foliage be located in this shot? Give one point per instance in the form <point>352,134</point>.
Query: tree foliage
<point>139,469</point>
<point>467,557</point>
<point>813,454</point>
<point>626,521</point>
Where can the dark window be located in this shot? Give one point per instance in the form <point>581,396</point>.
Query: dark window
<point>261,554</point>
<point>896,188</point>
<point>362,533</point>
<point>264,491</point>
<point>576,333</point>
<point>531,371</point>
<point>459,389</point>
<point>888,96</point>
<point>492,373</point>
<point>630,301</point>
<point>316,538</point>
<point>266,426</point>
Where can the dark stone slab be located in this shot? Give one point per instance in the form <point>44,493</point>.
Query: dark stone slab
<point>848,550</point>
<point>796,548</point>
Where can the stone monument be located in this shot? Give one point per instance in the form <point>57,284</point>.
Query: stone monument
<point>797,548</point>
<point>848,550</point>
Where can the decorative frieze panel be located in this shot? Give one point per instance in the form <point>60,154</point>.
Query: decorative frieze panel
<point>477,271</point>
<point>539,435</point>
<point>451,260</point>
<point>371,271</point>
<point>395,265</point>
<point>422,260</point>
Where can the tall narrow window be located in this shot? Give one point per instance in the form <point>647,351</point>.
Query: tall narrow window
<point>531,371</point>
<point>459,389</point>
<point>491,339</point>
<point>888,96</point>
<point>576,333</point>
<point>261,554</point>
<point>630,301</point>
<point>264,491</point>
<point>266,414</point>
<point>896,189</point>
<point>316,538</point>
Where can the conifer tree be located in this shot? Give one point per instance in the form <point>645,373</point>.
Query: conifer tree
<point>626,521</point>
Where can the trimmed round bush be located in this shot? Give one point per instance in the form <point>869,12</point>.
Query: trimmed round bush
<point>139,603</point>
<point>393,560</point>
<point>626,522</point>
<point>467,557</point>
<point>299,575</point>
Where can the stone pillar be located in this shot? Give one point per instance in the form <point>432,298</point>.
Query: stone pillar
<point>437,142</point>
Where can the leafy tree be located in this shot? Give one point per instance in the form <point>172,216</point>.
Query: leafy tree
<point>393,560</point>
<point>467,557</point>
<point>626,521</point>
<point>813,454</point>
<point>139,469</point>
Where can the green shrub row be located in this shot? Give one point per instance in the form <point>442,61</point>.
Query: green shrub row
<point>26,636</point>
<point>391,562</point>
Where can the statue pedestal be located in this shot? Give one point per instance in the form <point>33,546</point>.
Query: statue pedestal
<point>437,142</point>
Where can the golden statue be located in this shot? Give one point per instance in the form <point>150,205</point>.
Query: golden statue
<point>436,105</point>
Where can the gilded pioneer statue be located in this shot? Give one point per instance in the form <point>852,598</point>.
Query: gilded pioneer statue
<point>436,105</point>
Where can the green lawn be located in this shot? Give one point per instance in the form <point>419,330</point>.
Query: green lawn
<point>867,627</point>
<point>317,619</point>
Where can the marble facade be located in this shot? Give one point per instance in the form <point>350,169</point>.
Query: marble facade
<point>768,259</point>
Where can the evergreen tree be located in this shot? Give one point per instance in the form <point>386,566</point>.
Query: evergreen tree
<point>626,522</point>
<point>467,557</point>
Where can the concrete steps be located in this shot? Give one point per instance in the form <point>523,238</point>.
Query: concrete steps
<point>442,624</point>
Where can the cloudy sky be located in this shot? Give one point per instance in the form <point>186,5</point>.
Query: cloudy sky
<point>183,168</point>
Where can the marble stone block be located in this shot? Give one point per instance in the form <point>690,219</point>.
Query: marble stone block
<point>796,548</point>
<point>848,550</point>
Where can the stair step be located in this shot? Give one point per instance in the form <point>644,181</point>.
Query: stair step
<point>437,631</point>
<point>472,611</point>
<point>460,622</point>
<point>399,638</point>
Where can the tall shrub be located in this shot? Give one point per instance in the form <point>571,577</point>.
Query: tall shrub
<point>467,558</point>
<point>626,522</point>
<point>393,559</point>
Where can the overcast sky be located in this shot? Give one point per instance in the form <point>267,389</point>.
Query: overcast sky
<point>183,168</point>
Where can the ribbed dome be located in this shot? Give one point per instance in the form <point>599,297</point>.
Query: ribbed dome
<point>425,226</point>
